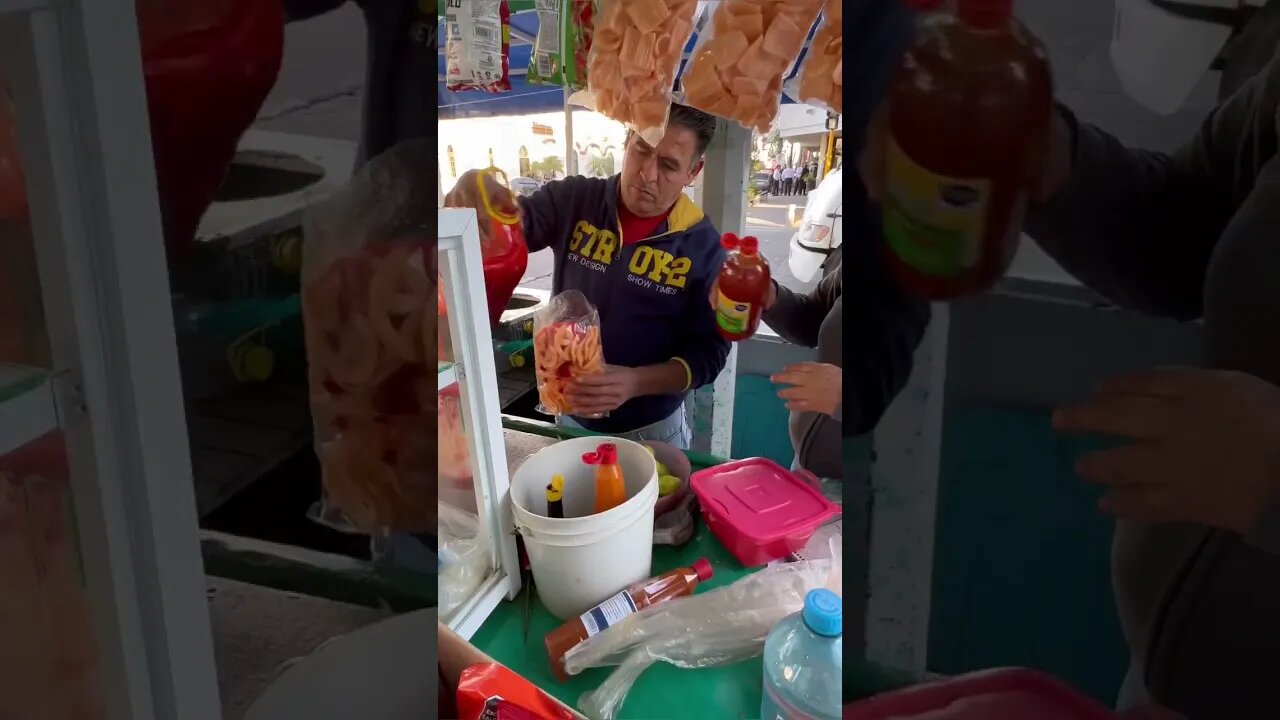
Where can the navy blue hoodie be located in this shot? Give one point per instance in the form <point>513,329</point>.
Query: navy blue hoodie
<point>651,294</point>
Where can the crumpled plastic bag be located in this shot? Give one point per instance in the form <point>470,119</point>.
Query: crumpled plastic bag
<point>718,627</point>
<point>464,557</point>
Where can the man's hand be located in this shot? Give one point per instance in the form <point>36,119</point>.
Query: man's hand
<point>769,299</point>
<point>466,194</point>
<point>1206,446</point>
<point>1057,169</point>
<point>603,392</point>
<point>815,387</point>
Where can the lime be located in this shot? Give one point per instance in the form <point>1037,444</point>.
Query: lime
<point>667,484</point>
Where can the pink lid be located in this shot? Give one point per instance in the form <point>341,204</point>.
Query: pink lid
<point>702,566</point>
<point>760,500</point>
<point>995,693</point>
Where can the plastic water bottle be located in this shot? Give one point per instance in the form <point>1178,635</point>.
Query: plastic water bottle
<point>803,662</point>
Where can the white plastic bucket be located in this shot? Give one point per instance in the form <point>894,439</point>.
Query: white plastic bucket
<point>582,559</point>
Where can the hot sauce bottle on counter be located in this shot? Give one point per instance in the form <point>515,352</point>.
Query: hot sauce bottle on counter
<point>741,288</point>
<point>611,489</point>
<point>679,582</point>
<point>969,111</point>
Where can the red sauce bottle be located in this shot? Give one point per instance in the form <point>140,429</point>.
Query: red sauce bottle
<point>742,288</point>
<point>670,584</point>
<point>969,113</point>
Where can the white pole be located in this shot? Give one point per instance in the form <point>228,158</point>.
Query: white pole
<point>570,152</point>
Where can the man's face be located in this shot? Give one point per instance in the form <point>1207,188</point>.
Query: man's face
<point>653,177</point>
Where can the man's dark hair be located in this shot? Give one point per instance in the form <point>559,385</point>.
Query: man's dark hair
<point>699,123</point>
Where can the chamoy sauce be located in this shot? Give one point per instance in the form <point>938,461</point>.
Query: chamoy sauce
<point>741,288</point>
<point>504,254</point>
<point>679,582</point>
<point>611,489</point>
<point>969,113</point>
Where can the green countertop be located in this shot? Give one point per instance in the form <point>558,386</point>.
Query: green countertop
<point>724,693</point>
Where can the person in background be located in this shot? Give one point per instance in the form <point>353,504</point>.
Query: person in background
<point>645,256</point>
<point>1196,487</point>
<point>805,179</point>
<point>777,180</point>
<point>788,179</point>
<point>400,70</point>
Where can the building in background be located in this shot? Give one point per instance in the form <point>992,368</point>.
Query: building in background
<point>530,145</point>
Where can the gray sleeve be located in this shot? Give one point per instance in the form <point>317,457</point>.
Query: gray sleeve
<point>1139,227</point>
<point>798,317</point>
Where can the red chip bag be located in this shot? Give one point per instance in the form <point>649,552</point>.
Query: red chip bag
<point>488,691</point>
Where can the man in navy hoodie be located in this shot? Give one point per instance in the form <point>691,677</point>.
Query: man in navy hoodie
<point>645,256</point>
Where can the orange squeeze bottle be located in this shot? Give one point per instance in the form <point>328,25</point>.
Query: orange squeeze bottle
<point>611,489</point>
<point>969,111</point>
<point>741,288</point>
<point>679,582</point>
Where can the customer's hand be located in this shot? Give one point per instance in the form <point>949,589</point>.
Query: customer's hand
<point>466,194</point>
<point>603,392</point>
<point>1057,169</point>
<point>814,387</point>
<point>770,297</point>
<point>1206,446</point>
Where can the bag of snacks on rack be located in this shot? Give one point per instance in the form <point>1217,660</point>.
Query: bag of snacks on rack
<point>453,458</point>
<point>635,54</point>
<point>49,664</point>
<point>566,345</point>
<point>478,45</point>
<point>742,55</point>
<point>560,51</point>
<point>820,80</point>
<point>369,264</point>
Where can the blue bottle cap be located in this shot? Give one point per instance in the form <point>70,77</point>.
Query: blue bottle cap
<point>822,613</point>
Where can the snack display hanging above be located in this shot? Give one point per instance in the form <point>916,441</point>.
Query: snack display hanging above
<point>820,80</point>
<point>634,59</point>
<point>554,43</point>
<point>742,56</point>
<point>478,45</point>
<point>566,29</point>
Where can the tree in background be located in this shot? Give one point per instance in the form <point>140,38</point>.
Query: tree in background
<point>601,165</point>
<point>547,167</point>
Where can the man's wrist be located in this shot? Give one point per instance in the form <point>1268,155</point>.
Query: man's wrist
<point>666,378</point>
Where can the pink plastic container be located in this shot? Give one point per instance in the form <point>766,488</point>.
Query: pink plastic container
<point>1001,694</point>
<point>758,510</point>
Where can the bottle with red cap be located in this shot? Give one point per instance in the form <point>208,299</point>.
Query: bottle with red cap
<point>969,111</point>
<point>741,288</point>
<point>611,488</point>
<point>679,582</point>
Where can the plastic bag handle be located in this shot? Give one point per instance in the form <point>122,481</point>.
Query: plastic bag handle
<point>502,217</point>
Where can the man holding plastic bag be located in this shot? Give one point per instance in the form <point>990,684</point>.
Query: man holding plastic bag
<point>644,257</point>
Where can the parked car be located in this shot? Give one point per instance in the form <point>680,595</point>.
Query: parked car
<point>524,186</point>
<point>761,181</point>
<point>820,228</point>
